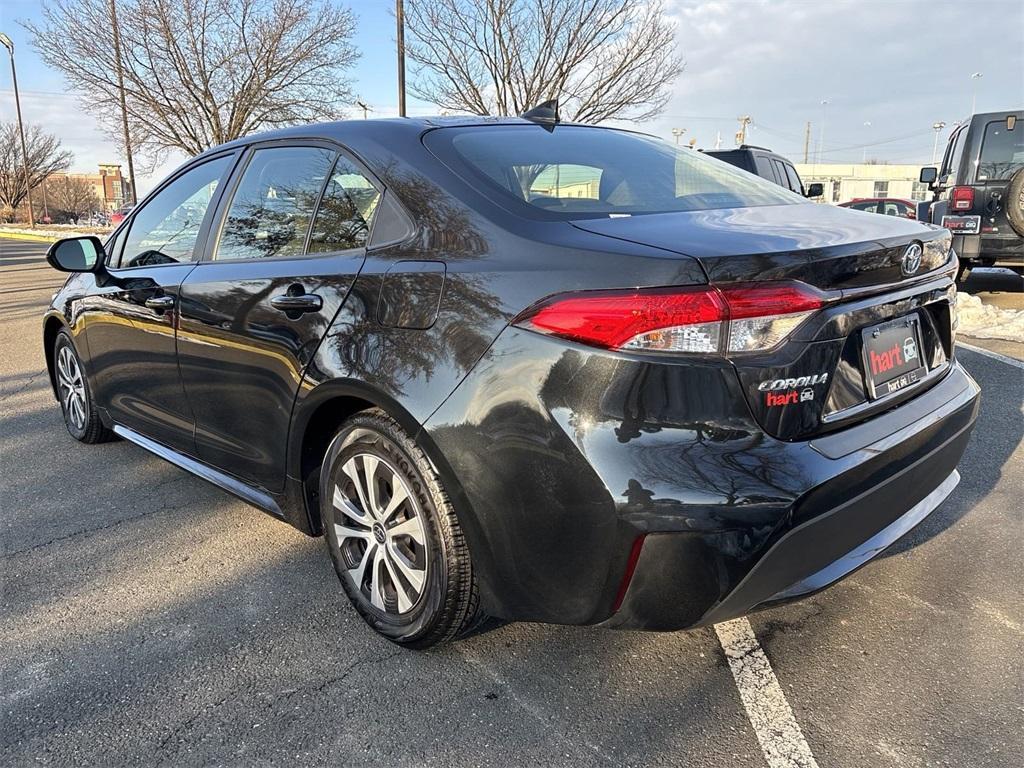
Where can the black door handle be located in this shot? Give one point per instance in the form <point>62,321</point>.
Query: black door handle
<point>160,303</point>
<point>297,302</point>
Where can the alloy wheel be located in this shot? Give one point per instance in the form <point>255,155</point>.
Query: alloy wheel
<point>71,386</point>
<point>381,534</point>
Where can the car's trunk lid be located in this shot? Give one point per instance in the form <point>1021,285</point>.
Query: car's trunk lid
<point>828,247</point>
<point>817,380</point>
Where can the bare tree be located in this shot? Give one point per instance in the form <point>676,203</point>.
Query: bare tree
<point>198,73</point>
<point>71,197</point>
<point>601,58</point>
<point>45,157</point>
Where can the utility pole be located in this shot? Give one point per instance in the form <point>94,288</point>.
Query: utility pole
<point>741,134</point>
<point>364,107</point>
<point>124,109</point>
<point>400,19</point>
<point>6,42</point>
<point>807,142</point>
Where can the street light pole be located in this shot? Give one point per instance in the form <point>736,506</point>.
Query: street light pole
<point>975,77</point>
<point>938,126</point>
<point>678,133</point>
<point>400,19</point>
<point>6,42</point>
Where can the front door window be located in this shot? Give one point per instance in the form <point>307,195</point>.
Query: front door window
<point>166,229</point>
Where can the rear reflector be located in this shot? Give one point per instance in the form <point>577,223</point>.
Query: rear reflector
<point>627,577</point>
<point>700,319</point>
<point>962,198</point>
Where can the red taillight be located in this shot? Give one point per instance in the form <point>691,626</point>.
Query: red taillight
<point>769,299</point>
<point>611,318</point>
<point>730,318</point>
<point>962,198</point>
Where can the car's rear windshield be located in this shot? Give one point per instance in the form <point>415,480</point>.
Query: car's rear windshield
<point>574,172</point>
<point>1002,152</point>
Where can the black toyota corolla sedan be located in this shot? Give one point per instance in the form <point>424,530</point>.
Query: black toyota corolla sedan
<point>525,369</point>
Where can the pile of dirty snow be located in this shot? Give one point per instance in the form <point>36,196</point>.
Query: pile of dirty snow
<point>984,321</point>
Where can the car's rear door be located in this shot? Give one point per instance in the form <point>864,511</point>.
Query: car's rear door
<point>288,241</point>
<point>130,315</point>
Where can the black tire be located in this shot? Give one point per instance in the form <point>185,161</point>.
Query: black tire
<point>75,396</point>
<point>373,564</point>
<point>1015,202</point>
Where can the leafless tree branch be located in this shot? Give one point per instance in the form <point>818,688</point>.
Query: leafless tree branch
<point>45,157</point>
<point>198,73</point>
<point>602,58</point>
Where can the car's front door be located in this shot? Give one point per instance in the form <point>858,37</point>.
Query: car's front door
<point>288,243</point>
<point>130,316</point>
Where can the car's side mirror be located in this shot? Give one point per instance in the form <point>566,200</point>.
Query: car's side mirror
<point>76,254</point>
<point>816,189</point>
<point>929,175</point>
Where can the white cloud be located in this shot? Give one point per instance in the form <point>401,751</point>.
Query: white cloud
<point>899,65</point>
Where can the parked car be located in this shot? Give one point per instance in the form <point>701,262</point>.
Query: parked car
<point>768,165</point>
<point>979,190</point>
<point>118,216</point>
<point>525,369</point>
<point>99,219</point>
<point>888,206</point>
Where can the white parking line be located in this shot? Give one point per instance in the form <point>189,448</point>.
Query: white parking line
<point>781,739</point>
<point>994,355</point>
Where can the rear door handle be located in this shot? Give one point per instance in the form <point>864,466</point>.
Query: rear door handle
<point>297,302</point>
<point>160,303</point>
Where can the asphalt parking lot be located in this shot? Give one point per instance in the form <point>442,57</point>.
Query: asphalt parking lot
<point>150,619</point>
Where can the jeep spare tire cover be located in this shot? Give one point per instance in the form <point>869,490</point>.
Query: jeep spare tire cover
<point>1015,202</point>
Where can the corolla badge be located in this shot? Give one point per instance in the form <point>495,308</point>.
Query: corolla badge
<point>911,259</point>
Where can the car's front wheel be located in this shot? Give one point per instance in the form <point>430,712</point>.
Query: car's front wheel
<point>393,535</point>
<point>76,403</point>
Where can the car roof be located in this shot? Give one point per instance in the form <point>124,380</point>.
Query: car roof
<point>356,129</point>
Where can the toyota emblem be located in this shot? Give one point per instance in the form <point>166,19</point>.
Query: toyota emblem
<point>911,259</point>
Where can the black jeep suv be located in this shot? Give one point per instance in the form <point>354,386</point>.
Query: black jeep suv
<point>979,191</point>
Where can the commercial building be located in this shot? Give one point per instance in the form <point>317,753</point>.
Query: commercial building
<point>844,182</point>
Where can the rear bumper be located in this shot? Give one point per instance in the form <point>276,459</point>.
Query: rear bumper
<point>559,458</point>
<point>877,492</point>
<point>997,250</point>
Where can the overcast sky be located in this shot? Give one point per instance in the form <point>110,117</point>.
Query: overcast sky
<point>898,65</point>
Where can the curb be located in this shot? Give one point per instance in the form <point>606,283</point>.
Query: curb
<point>26,236</point>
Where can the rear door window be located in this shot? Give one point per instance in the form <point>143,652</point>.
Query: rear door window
<point>273,204</point>
<point>1002,152</point>
<point>951,162</point>
<point>346,212</point>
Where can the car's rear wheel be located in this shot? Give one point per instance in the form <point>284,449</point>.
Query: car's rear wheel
<point>393,535</point>
<point>80,415</point>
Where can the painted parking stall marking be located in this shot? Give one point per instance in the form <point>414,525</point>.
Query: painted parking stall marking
<point>781,739</point>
